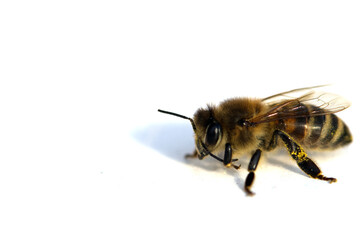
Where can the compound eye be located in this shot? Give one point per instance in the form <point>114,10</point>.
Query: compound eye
<point>213,133</point>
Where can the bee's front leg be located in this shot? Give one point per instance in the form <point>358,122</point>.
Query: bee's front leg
<point>228,161</point>
<point>192,155</point>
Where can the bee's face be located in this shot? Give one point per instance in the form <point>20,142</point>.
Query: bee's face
<point>208,132</point>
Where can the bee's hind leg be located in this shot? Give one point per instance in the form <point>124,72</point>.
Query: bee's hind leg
<point>299,155</point>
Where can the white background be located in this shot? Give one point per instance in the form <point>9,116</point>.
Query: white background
<point>84,154</point>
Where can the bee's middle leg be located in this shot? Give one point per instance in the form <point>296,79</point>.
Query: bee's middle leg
<point>251,168</point>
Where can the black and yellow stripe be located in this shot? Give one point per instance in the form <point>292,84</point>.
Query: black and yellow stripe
<point>322,131</point>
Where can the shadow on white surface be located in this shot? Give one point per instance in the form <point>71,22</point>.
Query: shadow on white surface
<point>173,141</point>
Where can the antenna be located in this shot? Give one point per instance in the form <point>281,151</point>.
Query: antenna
<point>181,116</point>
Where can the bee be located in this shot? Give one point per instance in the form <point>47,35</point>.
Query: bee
<point>301,119</point>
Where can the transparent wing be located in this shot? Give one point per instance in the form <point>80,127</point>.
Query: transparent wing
<point>303,102</point>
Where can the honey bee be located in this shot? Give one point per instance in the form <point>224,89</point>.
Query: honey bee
<point>301,118</point>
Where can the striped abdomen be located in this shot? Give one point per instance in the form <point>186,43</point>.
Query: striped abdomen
<point>323,131</point>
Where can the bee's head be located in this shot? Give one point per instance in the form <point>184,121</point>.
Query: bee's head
<point>208,132</point>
